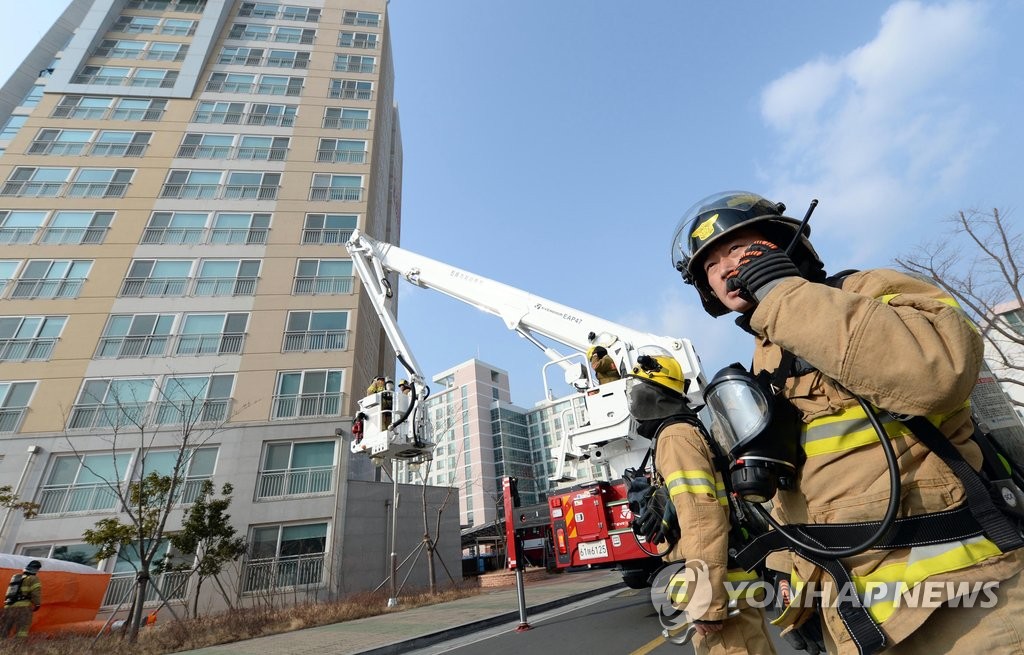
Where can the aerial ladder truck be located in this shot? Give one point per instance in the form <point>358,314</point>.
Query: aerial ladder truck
<point>587,523</point>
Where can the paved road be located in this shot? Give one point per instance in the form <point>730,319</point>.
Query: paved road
<point>622,621</point>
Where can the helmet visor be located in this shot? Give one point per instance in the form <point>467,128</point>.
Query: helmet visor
<point>739,411</point>
<point>650,401</point>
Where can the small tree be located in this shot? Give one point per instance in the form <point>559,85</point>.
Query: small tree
<point>207,532</point>
<point>10,501</point>
<point>979,259</point>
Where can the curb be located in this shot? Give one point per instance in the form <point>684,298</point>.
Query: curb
<point>432,638</point>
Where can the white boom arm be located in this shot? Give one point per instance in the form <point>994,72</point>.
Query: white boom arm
<point>530,315</point>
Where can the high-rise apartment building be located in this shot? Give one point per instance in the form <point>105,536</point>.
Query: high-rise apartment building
<point>177,182</point>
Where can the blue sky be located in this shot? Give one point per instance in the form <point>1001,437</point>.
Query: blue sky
<point>553,146</point>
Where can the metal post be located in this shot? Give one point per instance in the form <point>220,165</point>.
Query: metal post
<point>520,583</point>
<point>393,599</point>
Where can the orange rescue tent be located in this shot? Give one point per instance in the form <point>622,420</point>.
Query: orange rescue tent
<point>71,592</point>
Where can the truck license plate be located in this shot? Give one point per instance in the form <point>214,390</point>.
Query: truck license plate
<point>593,550</point>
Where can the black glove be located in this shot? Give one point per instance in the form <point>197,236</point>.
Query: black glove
<point>808,636</point>
<point>658,522</point>
<point>762,264</point>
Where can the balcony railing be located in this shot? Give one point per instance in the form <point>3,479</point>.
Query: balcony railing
<point>348,193</point>
<point>324,235</point>
<point>169,412</point>
<point>322,285</point>
<point>194,7</point>
<point>154,287</point>
<point>10,419</point>
<point>242,235</point>
<point>13,235</point>
<point>43,288</point>
<point>307,404</point>
<point>22,350</point>
<point>118,149</point>
<point>76,498</point>
<point>246,118</point>
<point>356,67</point>
<point>217,235</point>
<point>338,123</point>
<point>315,340</point>
<point>97,189</point>
<point>136,114</point>
<point>123,414</point>
<point>173,235</point>
<point>295,482</point>
<point>32,189</point>
<point>219,192</point>
<point>132,347</point>
<point>231,152</point>
<point>351,94</point>
<point>278,573</point>
<point>225,286</point>
<point>173,585</point>
<point>74,235</point>
<point>341,156</point>
<point>209,344</point>
<point>56,148</point>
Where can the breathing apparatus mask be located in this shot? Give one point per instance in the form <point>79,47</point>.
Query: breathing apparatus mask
<point>759,429</point>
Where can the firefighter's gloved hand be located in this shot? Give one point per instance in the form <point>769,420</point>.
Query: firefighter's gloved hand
<point>658,522</point>
<point>762,267</point>
<point>808,636</point>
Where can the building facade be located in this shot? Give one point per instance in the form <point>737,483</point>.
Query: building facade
<point>177,182</point>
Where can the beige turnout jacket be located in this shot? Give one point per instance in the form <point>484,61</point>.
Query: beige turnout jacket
<point>902,345</point>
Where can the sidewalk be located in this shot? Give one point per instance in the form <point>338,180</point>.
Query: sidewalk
<point>402,631</point>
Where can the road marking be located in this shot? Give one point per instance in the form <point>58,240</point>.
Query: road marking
<point>650,646</point>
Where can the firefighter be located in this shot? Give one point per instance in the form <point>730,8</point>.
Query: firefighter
<point>603,365</point>
<point>904,346</point>
<point>24,596</point>
<point>691,508</point>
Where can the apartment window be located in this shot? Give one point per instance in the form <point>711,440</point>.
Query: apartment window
<point>114,143</point>
<point>219,112</point>
<point>259,10</point>
<point>172,584</point>
<point>139,109</point>
<point>266,114</point>
<point>328,228</point>
<point>240,228</point>
<point>193,185</point>
<point>241,55</point>
<point>249,32</point>
<point>296,469</point>
<point>294,35</point>
<point>149,278</point>
<point>229,277</point>
<point>100,183</point>
<point>285,556</point>
<point>132,336</point>
<point>351,90</point>
<point>14,400</point>
<point>103,75</point>
<point>306,14</point>
<point>323,276</point>
<point>361,18</point>
<point>191,399</point>
<point>205,146</point>
<point>279,85</point>
<point>343,151</point>
<point>19,226</point>
<point>60,142</point>
<point>357,40</point>
<point>1015,319</point>
<point>343,118</point>
<point>31,182</point>
<point>355,63</point>
<point>307,393</point>
<point>231,83</point>
<point>178,26</point>
<point>111,403</point>
<point>336,187</point>
<point>77,553</point>
<point>34,95</point>
<point>252,185</point>
<point>288,59</point>
<point>51,278</point>
<point>88,107</point>
<point>29,338</point>
<point>83,483</point>
<point>212,334</point>
<point>197,466</point>
<point>323,330</point>
<point>154,77</point>
<point>162,51</point>
<point>135,24</point>
<point>7,269</point>
<point>11,127</point>
<point>263,147</point>
<point>175,227</point>
<point>120,49</point>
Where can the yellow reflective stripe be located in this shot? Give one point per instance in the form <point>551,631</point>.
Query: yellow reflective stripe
<point>696,482</point>
<point>743,586</point>
<point>850,428</point>
<point>924,562</point>
<point>947,300</point>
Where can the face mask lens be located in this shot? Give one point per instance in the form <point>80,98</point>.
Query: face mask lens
<point>739,409</point>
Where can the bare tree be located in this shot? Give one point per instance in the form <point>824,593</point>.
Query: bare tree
<point>185,418</point>
<point>979,259</point>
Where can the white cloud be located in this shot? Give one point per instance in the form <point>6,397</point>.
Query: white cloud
<point>873,131</point>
